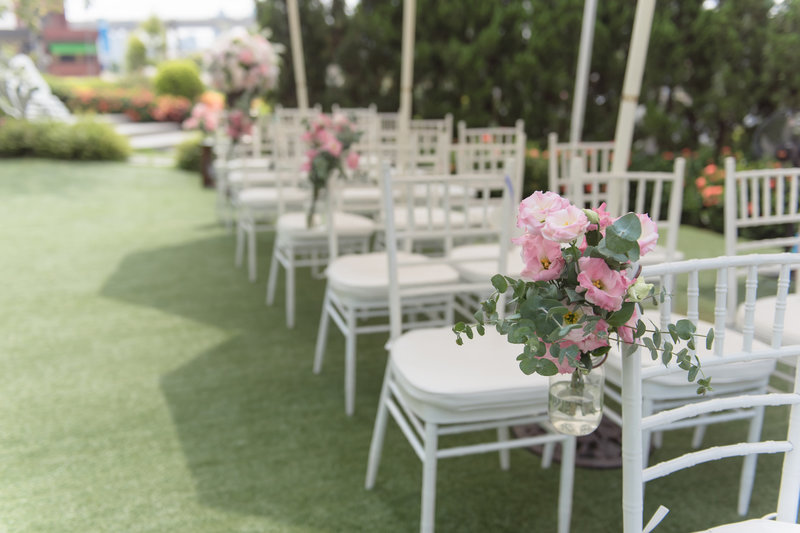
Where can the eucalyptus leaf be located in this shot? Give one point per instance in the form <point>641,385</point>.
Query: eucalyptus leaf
<point>686,328</point>
<point>499,282</point>
<point>621,317</point>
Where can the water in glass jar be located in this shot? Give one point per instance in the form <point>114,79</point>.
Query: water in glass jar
<point>572,413</point>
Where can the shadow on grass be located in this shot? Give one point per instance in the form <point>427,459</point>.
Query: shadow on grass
<point>263,436</point>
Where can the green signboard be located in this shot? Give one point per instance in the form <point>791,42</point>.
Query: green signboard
<point>73,49</point>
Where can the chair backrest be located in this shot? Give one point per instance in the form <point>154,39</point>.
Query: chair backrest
<point>658,194</point>
<point>263,136</point>
<point>487,149</point>
<point>289,149</point>
<point>634,475</point>
<point>596,157</point>
<point>440,220</point>
<point>432,139</point>
<point>760,198</point>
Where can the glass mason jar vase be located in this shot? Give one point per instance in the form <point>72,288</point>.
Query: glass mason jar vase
<point>576,401</point>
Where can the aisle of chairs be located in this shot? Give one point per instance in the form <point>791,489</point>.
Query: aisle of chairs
<point>408,241</point>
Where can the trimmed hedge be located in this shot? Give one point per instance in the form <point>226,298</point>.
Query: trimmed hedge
<point>179,78</point>
<point>84,140</point>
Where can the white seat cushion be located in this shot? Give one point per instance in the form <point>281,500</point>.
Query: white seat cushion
<point>758,525</point>
<point>251,178</point>
<point>423,217</point>
<point>247,162</point>
<point>473,265</point>
<point>724,378</point>
<point>294,226</point>
<point>271,196</point>
<point>659,255</point>
<point>765,318</point>
<point>361,194</point>
<point>444,382</point>
<point>366,276</point>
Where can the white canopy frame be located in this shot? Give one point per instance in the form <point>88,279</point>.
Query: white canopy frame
<point>629,100</point>
<point>298,58</point>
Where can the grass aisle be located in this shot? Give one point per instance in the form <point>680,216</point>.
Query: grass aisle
<point>146,387</point>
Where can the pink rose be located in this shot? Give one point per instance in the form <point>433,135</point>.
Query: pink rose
<point>542,258</point>
<point>649,237</point>
<point>566,225</point>
<point>211,122</point>
<point>323,137</point>
<point>626,332</point>
<point>534,209</point>
<point>333,147</point>
<point>603,286</point>
<point>605,216</point>
<point>352,160</point>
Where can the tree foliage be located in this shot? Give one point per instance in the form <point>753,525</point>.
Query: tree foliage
<point>713,70</point>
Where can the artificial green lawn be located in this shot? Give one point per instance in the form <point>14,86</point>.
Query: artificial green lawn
<point>145,386</point>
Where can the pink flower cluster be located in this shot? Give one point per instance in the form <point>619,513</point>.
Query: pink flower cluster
<point>325,137</point>
<point>552,225</point>
<point>204,118</point>
<point>243,62</point>
<point>239,124</point>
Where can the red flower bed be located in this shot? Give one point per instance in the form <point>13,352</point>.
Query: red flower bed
<point>139,105</point>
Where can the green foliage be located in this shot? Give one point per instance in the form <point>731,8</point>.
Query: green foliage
<point>490,63</point>
<point>189,153</point>
<point>135,55</point>
<point>85,140</point>
<point>179,78</point>
<point>322,26</point>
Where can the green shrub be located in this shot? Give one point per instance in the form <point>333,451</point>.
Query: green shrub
<point>96,141</point>
<point>135,55</point>
<point>85,140</point>
<point>179,78</point>
<point>188,154</point>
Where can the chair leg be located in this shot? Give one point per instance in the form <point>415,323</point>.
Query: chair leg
<point>251,252</point>
<point>378,433</point>
<point>272,281</point>
<point>565,484</point>
<point>697,436</point>
<point>350,364</point>
<point>750,462</point>
<point>547,454</point>
<point>647,410</point>
<point>505,455</point>
<point>322,334</point>
<point>290,291</point>
<point>428,512</point>
<point>239,255</point>
<point>449,314</point>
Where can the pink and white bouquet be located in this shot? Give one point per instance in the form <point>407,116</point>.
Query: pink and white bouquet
<point>329,139</point>
<point>242,66</point>
<point>242,63</point>
<point>580,291</point>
